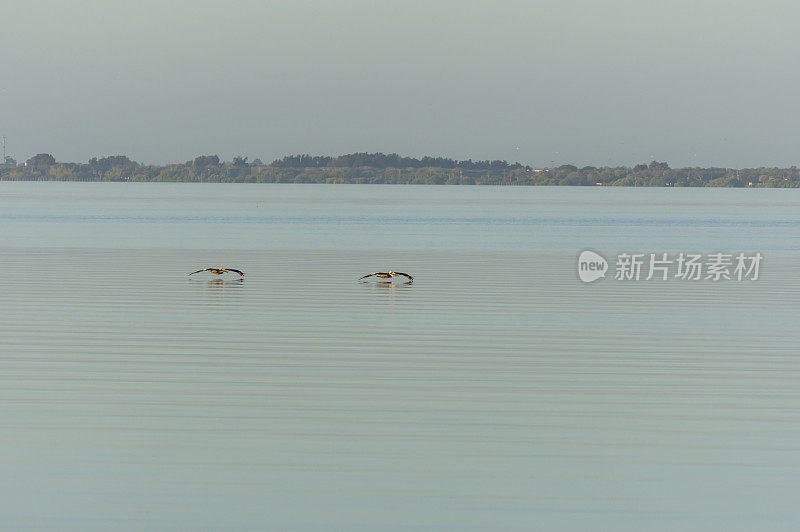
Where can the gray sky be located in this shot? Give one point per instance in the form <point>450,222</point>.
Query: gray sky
<point>588,82</point>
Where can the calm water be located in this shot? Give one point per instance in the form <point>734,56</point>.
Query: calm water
<point>495,392</point>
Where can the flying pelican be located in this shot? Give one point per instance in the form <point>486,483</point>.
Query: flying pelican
<point>388,275</point>
<point>218,271</point>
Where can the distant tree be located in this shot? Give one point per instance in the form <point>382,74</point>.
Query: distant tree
<point>240,162</point>
<point>41,161</point>
<point>205,161</point>
<point>105,164</point>
<point>10,160</point>
<point>572,179</point>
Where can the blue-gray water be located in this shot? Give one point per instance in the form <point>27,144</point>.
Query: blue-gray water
<point>495,392</point>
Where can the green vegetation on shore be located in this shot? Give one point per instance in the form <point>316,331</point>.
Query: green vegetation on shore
<point>393,169</point>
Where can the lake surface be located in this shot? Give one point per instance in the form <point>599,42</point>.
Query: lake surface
<point>496,392</point>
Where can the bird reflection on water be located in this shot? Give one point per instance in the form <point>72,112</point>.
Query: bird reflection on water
<point>219,285</point>
<point>388,285</point>
<point>226,282</point>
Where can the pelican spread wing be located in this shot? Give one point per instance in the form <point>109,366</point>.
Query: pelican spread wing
<point>387,275</point>
<point>218,271</point>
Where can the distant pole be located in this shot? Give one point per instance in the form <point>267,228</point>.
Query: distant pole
<point>4,150</point>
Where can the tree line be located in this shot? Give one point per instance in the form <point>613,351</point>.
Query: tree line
<point>392,160</point>
<point>379,168</point>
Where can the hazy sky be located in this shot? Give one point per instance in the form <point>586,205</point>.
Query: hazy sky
<point>588,82</point>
